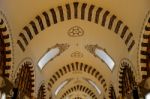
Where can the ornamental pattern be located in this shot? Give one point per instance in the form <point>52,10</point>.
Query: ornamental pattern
<point>75,31</point>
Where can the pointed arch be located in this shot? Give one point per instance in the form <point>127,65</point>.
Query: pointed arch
<point>24,81</point>
<point>112,93</point>
<point>126,78</point>
<point>41,92</point>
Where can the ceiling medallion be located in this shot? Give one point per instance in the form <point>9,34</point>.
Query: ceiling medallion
<point>77,54</point>
<point>75,31</point>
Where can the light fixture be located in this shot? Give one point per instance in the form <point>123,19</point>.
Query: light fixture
<point>105,57</point>
<point>147,96</point>
<point>3,96</point>
<point>48,56</point>
<point>61,86</point>
<point>95,86</point>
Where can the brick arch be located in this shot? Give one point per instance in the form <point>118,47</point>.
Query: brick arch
<point>126,79</point>
<point>75,10</point>
<point>25,80</point>
<point>81,88</point>
<point>77,66</point>
<point>5,48</point>
<point>42,92</point>
<point>144,51</point>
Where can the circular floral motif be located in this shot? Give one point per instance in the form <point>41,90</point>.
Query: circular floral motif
<point>75,31</point>
<point>77,54</point>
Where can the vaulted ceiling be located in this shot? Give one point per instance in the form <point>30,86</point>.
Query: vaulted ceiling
<point>77,28</point>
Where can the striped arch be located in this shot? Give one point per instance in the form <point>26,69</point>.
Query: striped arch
<point>144,51</point>
<point>77,97</point>
<point>25,80</point>
<point>126,78</point>
<point>81,88</point>
<point>77,67</point>
<point>112,93</point>
<point>41,92</point>
<point>6,47</point>
<point>75,10</point>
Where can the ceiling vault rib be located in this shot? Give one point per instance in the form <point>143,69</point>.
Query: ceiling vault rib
<point>81,88</point>
<point>73,67</point>
<point>99,18</point>
<point>144,51</point>
<point>5,49</point>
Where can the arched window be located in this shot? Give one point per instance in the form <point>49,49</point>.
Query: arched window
<point>105,58</point>
<point>48,56</point>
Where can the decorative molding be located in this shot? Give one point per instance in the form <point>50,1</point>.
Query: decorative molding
<point>77,66</point>
<point>126,62</point>
<point>3,16</point>
<point>91,49</point>
<point>26,68</point>
<point>144,49</point>
<point>51,53</point>
<point>101,54</point>
<point>62,47</point>
<point>126,77</point>
<point>7,45</point>
<point>77,54</point>
<point>27,60</point>
<point>75,31</point>
<point>41,92</point>
<point>112,93</point>
<point>66,12</point>
<point>80,88</point>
